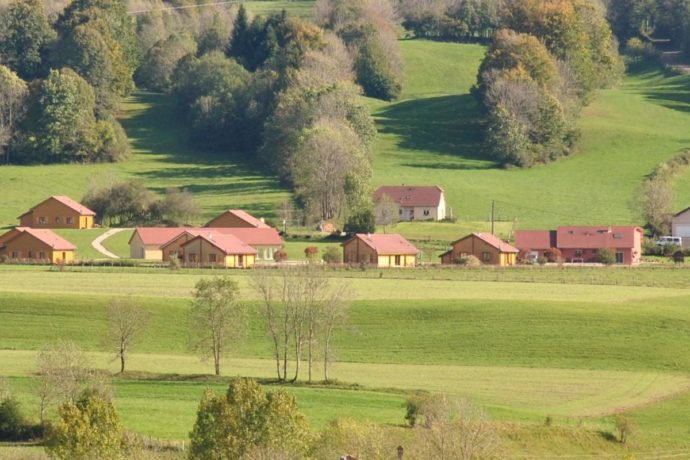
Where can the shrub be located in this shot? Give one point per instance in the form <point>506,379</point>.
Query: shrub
<point>637,49</point>
<point>332,255</point>
<point>88,428</point>
<point>606,256</point>
<point>554,255</point>
<point>541,260</point>
<point>468,261</point>
<point>362,221</point>
<point>280,256</point>
<point>679,257</point>
<point>245,419</point>
<point>4,259</point>
<point>310,252</point>
<point>625,426</point>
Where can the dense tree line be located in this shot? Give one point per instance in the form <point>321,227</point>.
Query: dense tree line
<point>368,29</point>
<point>76,67</point>
<point>645,18</point>
<point>451,20</point>
<point>538,73</point>
<point>280,90</point>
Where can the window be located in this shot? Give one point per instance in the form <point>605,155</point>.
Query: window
<point>15,255</point>
<point>212,258</point>
<point>57,219</point>
<point>486,256</point>
<point>426,212</point>
<point>192,257</point>
<point>400,211</point>
<point>618,236</point>
<point>42,220</point>
<point>397,260</point>
<point>578,252</point>
<point>30,255</point>
<point>619,257</point>
<point>42,255</point>
<point>69,220</point>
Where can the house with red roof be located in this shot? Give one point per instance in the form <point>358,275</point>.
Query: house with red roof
<point>380,250</point>
<point>34,244</point>
<point>58,211</point>
<point>266,241</point>
<point>236,218</point>
<point>146,242</point>
<point>581,244</point>
<point>415,202</point>
<point>211,248</point>
<point>489,249</point>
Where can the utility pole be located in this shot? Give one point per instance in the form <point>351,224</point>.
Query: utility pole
<point>493,209</point>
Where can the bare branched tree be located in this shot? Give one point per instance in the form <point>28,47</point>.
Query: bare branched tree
<point>127,320</point>
<point>217,318</point>
<point>455,429</point>
<point>63,372</point>
<point>386,211</point>
<point>301,308</point>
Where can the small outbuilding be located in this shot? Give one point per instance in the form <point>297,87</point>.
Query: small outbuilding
<point>380,250</point>
<point>58,211</point>
<point>489,249</point>
<point>33,244</point>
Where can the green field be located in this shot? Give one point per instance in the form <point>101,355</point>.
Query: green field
<point>523,350</point>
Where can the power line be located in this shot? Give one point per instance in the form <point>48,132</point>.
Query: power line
<point>171,8</point>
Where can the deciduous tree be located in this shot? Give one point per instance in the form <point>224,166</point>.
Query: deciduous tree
<point>247,420</point>
<point>217,318</point>
<point>127,320</point>
<point>88,427</point>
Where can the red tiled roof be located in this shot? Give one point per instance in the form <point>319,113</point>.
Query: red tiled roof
<point>572,237</point>
<point>411,195</point>
<point>45,236</point>
<point>157,235</point>
<point>252,236</point>
<point>496,242</point>
<point>387,243</point>
<point>226,242</point>
<point>245,216</point>
<point>67,201</point>
<point>263,236</point>
<point>535,239</point>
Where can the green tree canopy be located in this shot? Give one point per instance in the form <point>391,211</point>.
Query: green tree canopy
<point>247,420</point>
<point>25,35</point>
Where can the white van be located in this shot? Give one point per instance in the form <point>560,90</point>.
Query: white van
<point>669,241</point>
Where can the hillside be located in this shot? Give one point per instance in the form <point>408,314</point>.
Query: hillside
<point>430,136</point>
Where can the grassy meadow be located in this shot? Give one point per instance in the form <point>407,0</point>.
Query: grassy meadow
<point>523,350</point>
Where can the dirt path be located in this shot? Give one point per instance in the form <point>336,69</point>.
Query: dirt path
<point>98,246</point>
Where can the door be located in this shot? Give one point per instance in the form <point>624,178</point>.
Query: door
<point>240,261</point>
<point>397,261</point>
<point>682,230</point>
<point>619,257</point>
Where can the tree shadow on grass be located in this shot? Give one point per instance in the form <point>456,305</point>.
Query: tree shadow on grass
<point>662,86</point>
<point>159,131</point>
<point>447,125</point>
